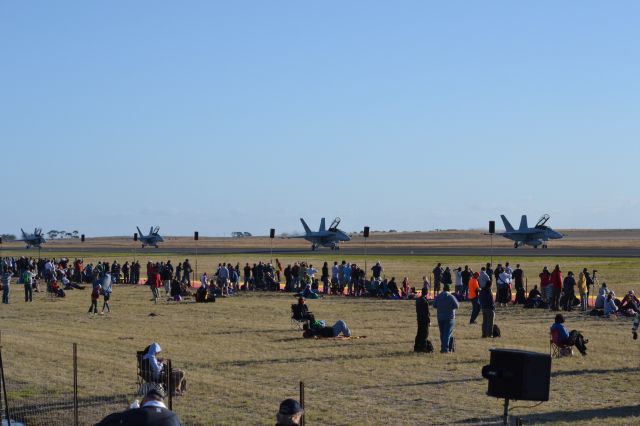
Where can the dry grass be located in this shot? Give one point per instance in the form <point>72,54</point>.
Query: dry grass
<point>242,356</point>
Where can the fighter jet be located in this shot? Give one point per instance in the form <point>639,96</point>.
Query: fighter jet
<point>536,236</point>
<point>325,237</point>
<point>152,239</point>
<point>33,240</point>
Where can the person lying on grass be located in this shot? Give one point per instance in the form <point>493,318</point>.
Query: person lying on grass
<point>339,328</point>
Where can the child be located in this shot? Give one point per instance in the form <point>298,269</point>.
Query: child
<point>95,295</point>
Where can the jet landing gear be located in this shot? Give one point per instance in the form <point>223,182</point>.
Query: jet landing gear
<point>515,245</point>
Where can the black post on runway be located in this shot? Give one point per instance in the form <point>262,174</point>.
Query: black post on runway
<point>196,237</point>
<point>272,235</point>
<point>365,234</point>
<point>492,230</point>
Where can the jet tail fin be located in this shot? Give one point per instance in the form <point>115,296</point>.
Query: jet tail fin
<point>322,225</point>
<point>139,231</point>
<point>306,227</point>
<point>523,222</point>
<point>506,223</point>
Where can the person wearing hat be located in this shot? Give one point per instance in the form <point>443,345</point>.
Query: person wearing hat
<point>446,305</point>
<point>152,411</point>
<point>290,413</point>
<point>472,294</point>
<point>422,314</point>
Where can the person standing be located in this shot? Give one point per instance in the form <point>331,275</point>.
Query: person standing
<point>446,305</point>
<point>6,281</point>
<point>568,288</point>
<point>437,276</point>
<point>27,279</point>
<point>422,315</point>
<point>459,286</point>
<point>474,291</point>
<point>583,290</point>
<point>488,306</point>
<point>325,277</point>
<point>545,285</point>
<point>466,276</point>
<point>107,289</point>
<point>483,278</point>
<point>518,278</point>
<point>556,281</point>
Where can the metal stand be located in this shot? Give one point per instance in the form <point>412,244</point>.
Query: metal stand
<point>492,250</point>
<point>365,258</point>
<point>302,401</point>
<point>505,415</point>
<point>75,384</point>
<point>271,251</point>
<point>196,277</point>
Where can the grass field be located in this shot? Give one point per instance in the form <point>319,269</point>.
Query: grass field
<point>242,356</point>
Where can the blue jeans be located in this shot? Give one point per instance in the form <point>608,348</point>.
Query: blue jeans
<point>28,293</point>
<point>446,330</point>
<point>341,327</point>
<point>5,294</point>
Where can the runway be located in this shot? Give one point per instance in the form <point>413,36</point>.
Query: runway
<point>347,251</point>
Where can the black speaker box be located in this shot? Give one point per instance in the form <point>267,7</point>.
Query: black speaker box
<point>366,232</point>
<point>82,238</point>
<point>520,375</point>
<point>135,236</point>
<point>272,233</point>
<point>196,236</point>
<point>492,226</point>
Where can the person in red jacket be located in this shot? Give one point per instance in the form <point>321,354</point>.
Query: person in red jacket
<point>155,285</point>
<point>556,281</point>
<point>545,285</point>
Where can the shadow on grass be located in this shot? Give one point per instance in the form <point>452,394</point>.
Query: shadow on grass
<point>564,416</point>
<point>597,371</point>
<point>337,357</point>
<point>427,383</point>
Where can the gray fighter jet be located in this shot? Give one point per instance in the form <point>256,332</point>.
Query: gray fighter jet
<point>325,237</point>
<point>536,236</point>
<point>152,239</point>
<point>33,240</point>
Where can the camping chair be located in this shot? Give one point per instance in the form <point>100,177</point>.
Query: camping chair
<point>558,350</point>
<point>298,321</point>
<point>144,376</point>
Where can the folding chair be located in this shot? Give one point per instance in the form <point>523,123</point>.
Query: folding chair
<point>558,350</point>
<point>144,376</point>
<point>297,320</point>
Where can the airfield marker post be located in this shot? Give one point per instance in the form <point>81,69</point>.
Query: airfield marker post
<point>302,401</point>
<point>365,233</point>
<point>272,235</point>
<point>196,237</point>
<point>75,384</point>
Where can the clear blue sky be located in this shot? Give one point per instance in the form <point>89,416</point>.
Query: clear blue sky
<point>246,115</point>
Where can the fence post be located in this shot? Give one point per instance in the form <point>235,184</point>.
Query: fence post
<point>169,385</point>
<point>4,390</point>
<point>302,401</point>
<point>75,384</point>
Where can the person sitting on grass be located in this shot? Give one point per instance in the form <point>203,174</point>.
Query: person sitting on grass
<point>562,337</point>
<point>630,302</point>
<point>602,296</point>
<point>610,307</point>
<point>290,413</point>
<point>158,370</point>
<point>55,289</point>
<point>308,293</point>
<point>340,327</point>
<point>152,411</point>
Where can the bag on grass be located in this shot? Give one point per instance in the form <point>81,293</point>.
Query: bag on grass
<point>429,346</point>
<point>496,331</point>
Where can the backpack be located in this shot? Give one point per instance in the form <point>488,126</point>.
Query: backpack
<point>496,331</point>
<point>26,278</point>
